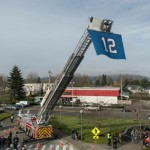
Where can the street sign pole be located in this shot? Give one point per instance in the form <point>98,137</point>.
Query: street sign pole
<point>96,133</point>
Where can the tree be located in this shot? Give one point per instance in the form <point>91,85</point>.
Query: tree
<point>104,80</point>
<point>97,82</point>
<point>38,80</point>
<point>82,80</point>
<point>144,83</point>
<point>15,83</point>
<point>33,78</point>
<point>3,82</point>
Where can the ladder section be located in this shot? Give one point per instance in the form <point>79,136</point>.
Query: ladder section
<point>63,79</point>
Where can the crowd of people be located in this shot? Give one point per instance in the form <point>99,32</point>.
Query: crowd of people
<point>113,139</point>
<point>11,140</point>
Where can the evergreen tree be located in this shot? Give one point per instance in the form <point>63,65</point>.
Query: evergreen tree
<point>104,80</point>
<point>15,84</point>
<point>97,82</point>
<point>38,80</point>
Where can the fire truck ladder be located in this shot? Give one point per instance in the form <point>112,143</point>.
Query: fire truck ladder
<point>66,75</point>
<point>64,78</point>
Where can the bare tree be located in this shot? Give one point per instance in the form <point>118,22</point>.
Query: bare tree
<point>3,82</point>
<point>32,77</point>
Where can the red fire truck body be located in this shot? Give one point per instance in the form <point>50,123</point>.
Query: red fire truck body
<point>27,122</point>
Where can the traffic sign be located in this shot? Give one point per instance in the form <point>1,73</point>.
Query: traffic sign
<point>95,137</point>
<point>96,131</point>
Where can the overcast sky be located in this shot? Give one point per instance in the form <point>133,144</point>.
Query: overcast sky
<point>40,35</point>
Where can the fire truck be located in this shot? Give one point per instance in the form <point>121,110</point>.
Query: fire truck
<point>36,126</point>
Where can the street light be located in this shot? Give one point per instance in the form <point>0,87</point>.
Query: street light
<point>60,106</point>
<point>49,76</point>
<point>122,101</point>
<point>81,112</point>
<point>72,92</point>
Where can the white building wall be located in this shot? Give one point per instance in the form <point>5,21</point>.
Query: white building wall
<point>98,99</point>
<point>33,88</point>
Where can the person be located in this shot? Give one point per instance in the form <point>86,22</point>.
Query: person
<point>109,138</point>
<point>76,135</point>
<point>12,119</point>
<point>15,140</point>
<point>1,124</point>
<point>115,140</point>
<point>10,133</point>
<point>73,133</point>
<point>9,140</point>
<point>23,144</point>
<point>2,141</point>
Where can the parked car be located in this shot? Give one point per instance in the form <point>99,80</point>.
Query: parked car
<point>1,109</point>
<point>87,104</point>
<point>146,141</point>
<point>128,109</point>
<point>13,107</point>
<point>92,108</point>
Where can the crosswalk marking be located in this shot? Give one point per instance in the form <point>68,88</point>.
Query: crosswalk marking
<point>51,146</point>
<point>29,147</point>
<point>57,147</point>
<point>47,147</point>
<point>43,148</point>
<point>71,147</point>
<point>64,147</point>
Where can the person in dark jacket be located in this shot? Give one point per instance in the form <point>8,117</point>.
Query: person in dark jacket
<point>73,133</point>
<point>23,144</point>
<point>9,140</point>
<point>15,140</point>
<point>115,140</point>
<point>2,141</point>
<point>10,133</point>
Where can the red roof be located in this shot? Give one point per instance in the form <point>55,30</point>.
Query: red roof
<point>91,92</point>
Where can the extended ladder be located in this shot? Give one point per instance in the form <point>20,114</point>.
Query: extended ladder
<point>52,96</point>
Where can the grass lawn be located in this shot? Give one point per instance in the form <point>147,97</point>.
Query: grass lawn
<point>4,115</point>
<point>104,125</point>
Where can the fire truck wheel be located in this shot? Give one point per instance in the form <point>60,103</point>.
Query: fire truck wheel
<point>147,144</point>
<point>28,133</point>
<point>31,136</point>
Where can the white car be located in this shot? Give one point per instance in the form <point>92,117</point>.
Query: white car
<point>92,108</point>
<point>87,104</point>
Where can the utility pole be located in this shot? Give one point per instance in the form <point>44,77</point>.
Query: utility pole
<point>49,76</point>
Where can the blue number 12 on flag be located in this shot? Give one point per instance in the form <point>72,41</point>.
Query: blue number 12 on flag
<point>108,44</point>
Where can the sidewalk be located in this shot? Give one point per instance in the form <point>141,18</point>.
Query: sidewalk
<point>79,145</point>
